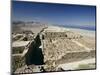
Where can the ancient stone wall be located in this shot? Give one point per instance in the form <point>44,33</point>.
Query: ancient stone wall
<point>17,50</point>
<point>76,56</point>
<point>54,34</point>
<point>67,34</point>
<point>17,62</point>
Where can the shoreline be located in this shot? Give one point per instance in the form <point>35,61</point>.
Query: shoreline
<point>84,32</point>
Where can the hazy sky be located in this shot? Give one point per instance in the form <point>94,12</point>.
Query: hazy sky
<point>54,13</point>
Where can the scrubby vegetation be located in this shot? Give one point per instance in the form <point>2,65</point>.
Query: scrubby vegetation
<point>86,66</point>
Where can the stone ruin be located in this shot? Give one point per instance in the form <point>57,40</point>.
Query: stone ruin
<point>62,47</point>
<point>49,49</point>
<point>21,41</point>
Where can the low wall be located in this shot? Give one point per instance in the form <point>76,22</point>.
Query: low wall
<point>17,62</point>
<point>76,56</point>
<point>16,50</point>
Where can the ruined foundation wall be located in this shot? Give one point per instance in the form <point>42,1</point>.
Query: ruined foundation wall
<point>17,62</point>
<point>76,56</point>
<point>67,34</point>
<point>16,50</point>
